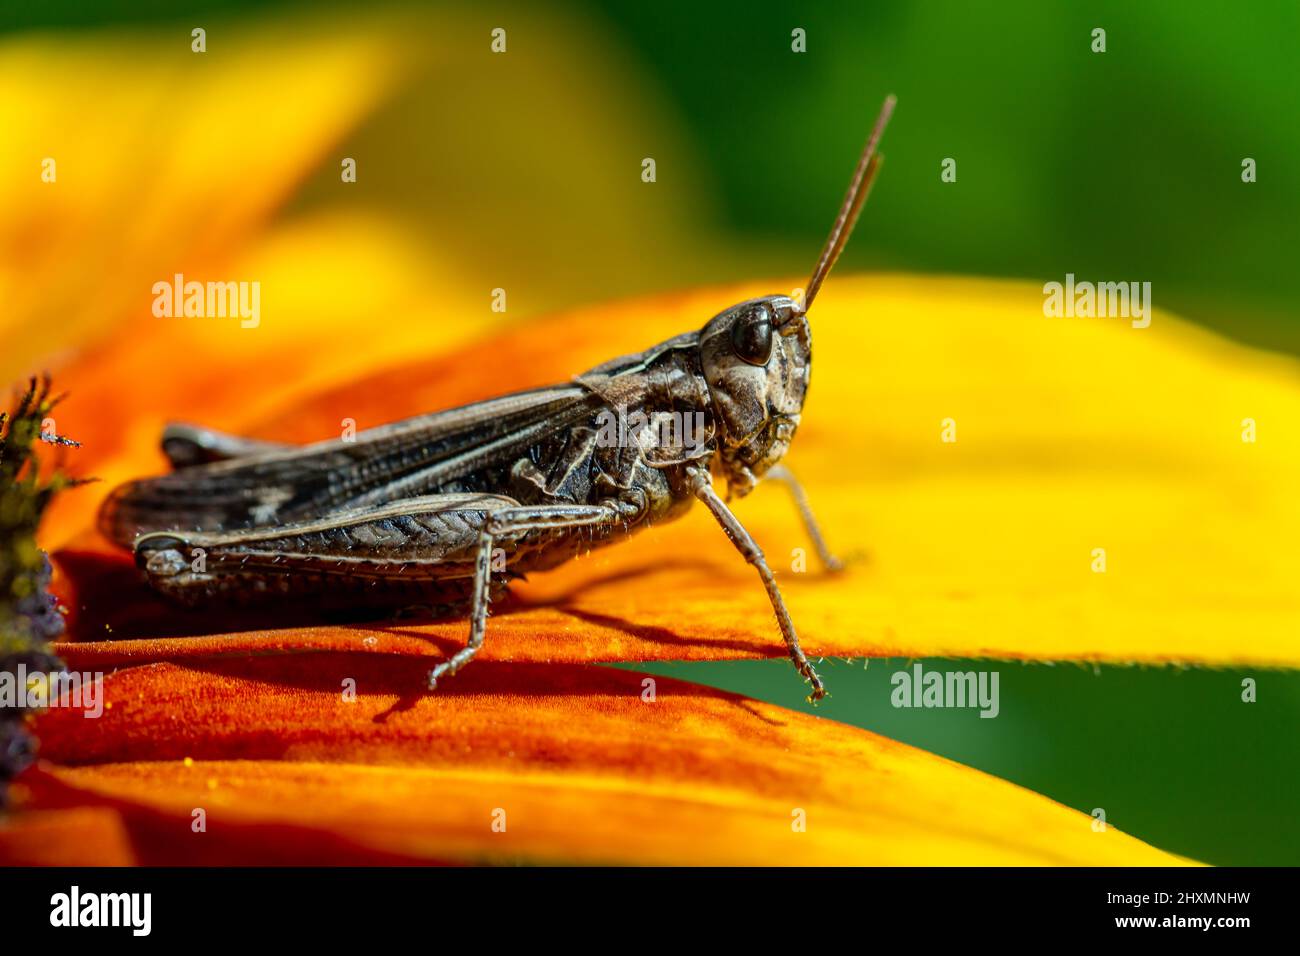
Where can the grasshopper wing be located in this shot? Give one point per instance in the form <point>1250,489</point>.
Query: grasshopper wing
<point>462,450</point>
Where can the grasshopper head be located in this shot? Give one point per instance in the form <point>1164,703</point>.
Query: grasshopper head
<point>756,358</point>
<point>757,355</point>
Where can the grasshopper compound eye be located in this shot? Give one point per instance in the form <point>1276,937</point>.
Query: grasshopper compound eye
<point>751,335</point>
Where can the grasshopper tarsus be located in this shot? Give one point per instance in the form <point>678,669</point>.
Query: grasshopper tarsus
<point>816,689</point>
<point>419,511</point>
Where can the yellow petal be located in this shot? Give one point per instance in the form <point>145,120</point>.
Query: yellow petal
<point>1072,435</point>
<point>163,159</point>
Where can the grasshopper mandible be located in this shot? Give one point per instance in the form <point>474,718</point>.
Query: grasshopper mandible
<point>415,512</point>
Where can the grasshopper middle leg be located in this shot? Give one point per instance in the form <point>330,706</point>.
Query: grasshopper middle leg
<point>784,475</point>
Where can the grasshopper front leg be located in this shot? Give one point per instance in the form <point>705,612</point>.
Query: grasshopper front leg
<point>702,488</point>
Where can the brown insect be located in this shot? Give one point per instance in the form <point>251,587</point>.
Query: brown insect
<point>441,510</point>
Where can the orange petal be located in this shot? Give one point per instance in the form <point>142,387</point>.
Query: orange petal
<point>571,763</point>
<point>77,836</point>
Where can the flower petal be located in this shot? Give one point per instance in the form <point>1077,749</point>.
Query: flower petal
<point>572,764</point>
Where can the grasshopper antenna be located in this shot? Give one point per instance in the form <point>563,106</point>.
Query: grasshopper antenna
<point>859,188</point>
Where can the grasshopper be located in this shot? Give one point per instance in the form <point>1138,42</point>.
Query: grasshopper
<point>423,511</point>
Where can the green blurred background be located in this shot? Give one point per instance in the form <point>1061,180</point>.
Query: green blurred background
<point>1119,166</point>
<point>1172,755</point>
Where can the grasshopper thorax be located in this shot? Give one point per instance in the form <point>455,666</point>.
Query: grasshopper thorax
<point>756,358</point>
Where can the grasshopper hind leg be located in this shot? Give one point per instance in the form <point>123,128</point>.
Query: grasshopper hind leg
<point>413,552</point>
<point>434,550</point>
<point>511,524</point>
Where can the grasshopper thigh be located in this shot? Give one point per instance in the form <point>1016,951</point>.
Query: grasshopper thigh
<point>420,550</point>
